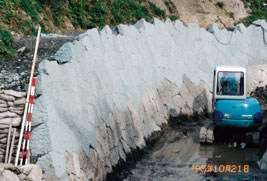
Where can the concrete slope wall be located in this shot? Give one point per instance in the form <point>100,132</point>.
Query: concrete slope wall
<point>111,89</point>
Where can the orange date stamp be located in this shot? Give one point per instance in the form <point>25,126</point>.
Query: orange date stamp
<point>221,168</point>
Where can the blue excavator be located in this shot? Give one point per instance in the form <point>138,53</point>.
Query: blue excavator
<point>234,114</point>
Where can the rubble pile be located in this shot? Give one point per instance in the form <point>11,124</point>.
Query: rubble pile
<point>11,111</point>
<point>9,172</point>
<point>260,94</point>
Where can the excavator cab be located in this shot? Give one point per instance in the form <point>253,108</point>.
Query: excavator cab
<point>231,106</point>
<point>230,83</point>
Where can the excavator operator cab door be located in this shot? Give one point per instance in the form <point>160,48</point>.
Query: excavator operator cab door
<point>229,83</point>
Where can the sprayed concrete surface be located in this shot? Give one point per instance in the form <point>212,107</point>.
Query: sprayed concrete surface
<point>109,90</point>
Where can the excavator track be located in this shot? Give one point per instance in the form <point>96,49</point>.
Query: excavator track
<point>206,134</point>
<point>258,136</point>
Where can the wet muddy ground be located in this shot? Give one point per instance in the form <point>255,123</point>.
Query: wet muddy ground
<point>178,155</point>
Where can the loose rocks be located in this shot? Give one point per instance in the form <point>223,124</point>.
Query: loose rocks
<point>9,172</point>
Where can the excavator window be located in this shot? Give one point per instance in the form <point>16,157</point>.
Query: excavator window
<point>230,83</point>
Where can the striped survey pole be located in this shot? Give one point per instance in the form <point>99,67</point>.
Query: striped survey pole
<point>28,97</point>
<point>28,125</point>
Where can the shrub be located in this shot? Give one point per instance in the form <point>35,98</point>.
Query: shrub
<point>29,8</point>
<point>169,6</point>
<point>9,15</point>
<point>259,11</point>
<point>157,10</point>
<point>220,4</point>
<point>6,4</point>
<point>132,5</point>
<point>6,43</point>
<point>173,18</point>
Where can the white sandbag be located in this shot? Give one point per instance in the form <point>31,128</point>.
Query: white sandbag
<point>3,140</point>
<point>10,103</point>
<point>3,109</point>
<point>3,105</point>
<point>7,97</point>
<point>14,93</point>
<point>20,101</point>
<point>4,126</point>
<point>4,130</point>
<point>8,115</point>
<point>2,102</point>
<point>16,121</point>
<point>16,110</point>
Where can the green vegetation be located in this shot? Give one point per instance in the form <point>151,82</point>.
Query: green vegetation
<point>220,4</point>
<point>6,43</point>
<point>173,18</point>
<point>31,7</point>
<point>23,16</point>
<point>96,13</point>
<point>231,14</point>
<point>259,11</point>
<point>157,11</point>
<point>171,6</point>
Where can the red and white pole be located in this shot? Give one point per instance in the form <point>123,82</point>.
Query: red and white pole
<point>28,125</point>
<point>28,97</point>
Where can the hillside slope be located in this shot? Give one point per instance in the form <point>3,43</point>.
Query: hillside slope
<point>21,17</point>
<point>206,12</point>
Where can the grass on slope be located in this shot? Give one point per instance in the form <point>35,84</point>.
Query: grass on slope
<point>259,10</point>
<point>23,16</point>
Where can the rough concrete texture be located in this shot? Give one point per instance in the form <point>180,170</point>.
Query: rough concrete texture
<point>120,86</point>
<point>257,76</point>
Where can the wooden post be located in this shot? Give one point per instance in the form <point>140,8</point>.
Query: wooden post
<point>28,96</point>
<point>12,145</point>
<point>8,140</point>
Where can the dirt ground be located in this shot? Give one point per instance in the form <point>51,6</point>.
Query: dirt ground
<point>206,12</point>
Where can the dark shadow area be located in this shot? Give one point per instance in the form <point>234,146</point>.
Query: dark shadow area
<point>122,169</point>
<point>200,112</point>
<point>201,106</point>
<point>261,95</point>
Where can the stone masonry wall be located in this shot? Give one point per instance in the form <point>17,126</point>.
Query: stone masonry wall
<point>111,89</point>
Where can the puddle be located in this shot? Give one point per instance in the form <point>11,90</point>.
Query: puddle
<point>179,156</point>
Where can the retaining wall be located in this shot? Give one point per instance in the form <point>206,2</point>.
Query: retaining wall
<point>111,89</point>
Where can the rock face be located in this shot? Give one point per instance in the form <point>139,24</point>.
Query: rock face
<point>256,76</point>
<point>15,74</point>
<point>120,86</point>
